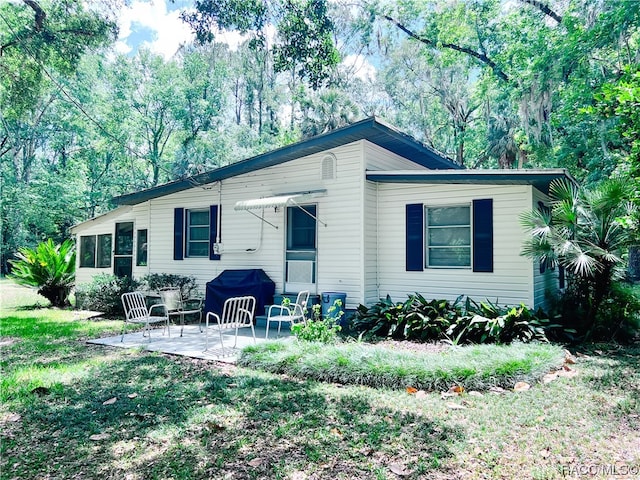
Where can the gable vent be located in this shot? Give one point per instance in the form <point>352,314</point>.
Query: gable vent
<point>328,167</point>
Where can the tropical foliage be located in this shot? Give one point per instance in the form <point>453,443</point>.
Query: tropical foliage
<point>49,267</point>
<point>585,232</point>
<point>457,322</point>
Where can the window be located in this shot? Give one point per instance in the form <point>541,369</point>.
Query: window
<point>95,251</point>
<point>448,236</point>
<point>141,248</point>
<point>88,251</point>
<point>301,228</point>
<point>197,233</point>
<point>103,257</point>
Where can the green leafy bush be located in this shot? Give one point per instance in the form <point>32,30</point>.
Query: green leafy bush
<point>49,267</point>
<point>157,281</point>
<point>377,319</point>
<point>103,294</point>
<point>319,329</point>
<point>455,322</point>
<point>617,319</point>
<point>489,322</point>
<point>426,320</point>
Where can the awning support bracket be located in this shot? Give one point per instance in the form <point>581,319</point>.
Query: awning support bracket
<point>261,218</point>
<point>308,212</point>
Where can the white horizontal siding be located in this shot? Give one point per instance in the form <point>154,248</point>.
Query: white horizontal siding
<point>339,262</point>
<point>371,243</point>
<point>378,158</point>
<point>509,283</point>
<point>545,284</point>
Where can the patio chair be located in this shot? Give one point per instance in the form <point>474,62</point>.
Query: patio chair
<point>177,307</point>
<point>291,314</point>
<point>136,311</point>
<point>237,313</point>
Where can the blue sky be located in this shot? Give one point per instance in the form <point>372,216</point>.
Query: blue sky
<point>154,24</point>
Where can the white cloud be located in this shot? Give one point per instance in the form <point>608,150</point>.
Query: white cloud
<point>360,67</point>
<point>122,47</point>
<point>169,32</point>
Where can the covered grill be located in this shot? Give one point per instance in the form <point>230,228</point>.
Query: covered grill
<point>237,283</point>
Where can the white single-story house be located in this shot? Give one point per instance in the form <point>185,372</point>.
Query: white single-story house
<point>365,210</point>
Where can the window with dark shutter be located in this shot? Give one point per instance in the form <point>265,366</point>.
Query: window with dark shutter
<point>483,235</point>
<point>178,233</point>
<point>414,248</point>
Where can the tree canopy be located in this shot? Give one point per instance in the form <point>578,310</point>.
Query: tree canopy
<point>490,83</point>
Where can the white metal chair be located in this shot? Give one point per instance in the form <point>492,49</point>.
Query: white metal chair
<point>291,314</point>
<point>177,307</point>
<point>136,311</point>
<point>237,312</point>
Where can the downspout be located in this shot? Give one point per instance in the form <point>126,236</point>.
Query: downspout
<point>377,240</point>
<point>219,219</point>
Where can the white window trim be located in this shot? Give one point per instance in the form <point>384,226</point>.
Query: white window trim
<point>426,237</point>
<point>188,240</point>
<point>96,250</point>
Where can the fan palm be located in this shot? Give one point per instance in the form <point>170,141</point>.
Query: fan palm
<point>583,232</point>
<point>49,267</point>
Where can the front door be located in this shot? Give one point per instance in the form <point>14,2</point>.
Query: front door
<point>301,251</point>
<point>123,252</point>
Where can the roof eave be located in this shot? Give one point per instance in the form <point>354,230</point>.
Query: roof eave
<point>541,179</point>
<point>371,129</point>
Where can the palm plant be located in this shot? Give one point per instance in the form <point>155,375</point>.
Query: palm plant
<point>583,231</point>
<point>49,267</point>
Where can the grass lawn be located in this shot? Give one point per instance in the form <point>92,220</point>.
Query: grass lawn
<point>71,410</point>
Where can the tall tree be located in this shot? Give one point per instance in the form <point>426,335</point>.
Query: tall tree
<point>40,37</point>
<point>305,31</point>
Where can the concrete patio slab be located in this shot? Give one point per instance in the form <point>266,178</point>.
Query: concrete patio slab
<point>192,343</point>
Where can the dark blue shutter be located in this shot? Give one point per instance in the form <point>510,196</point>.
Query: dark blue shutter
<point>483,235</point>
<point>178,233</point>
<point>213,231</point>
<point>414,237</point>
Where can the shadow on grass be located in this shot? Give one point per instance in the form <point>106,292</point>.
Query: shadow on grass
<point>35,307</point>
<point>187,420</point>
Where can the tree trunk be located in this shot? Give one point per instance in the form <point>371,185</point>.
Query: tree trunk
<point>58,296</point>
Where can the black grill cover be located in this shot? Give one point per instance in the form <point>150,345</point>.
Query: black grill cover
<point>238,283</point>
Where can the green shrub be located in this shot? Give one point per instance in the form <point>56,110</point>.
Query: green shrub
<point>49,267</point>
<point>455,322</point>
<point>157,281</point>
<point>103,294</point>
<point>377,319</point>
<point>489,322</point>
<point>426,320</point>
<point>319,329</point>
<point>617,319</point>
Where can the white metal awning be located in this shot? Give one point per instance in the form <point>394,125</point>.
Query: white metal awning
<point>273,202</point>
<point>288,200</point>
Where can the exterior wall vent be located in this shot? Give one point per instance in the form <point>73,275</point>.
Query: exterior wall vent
<point>328,167</point>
